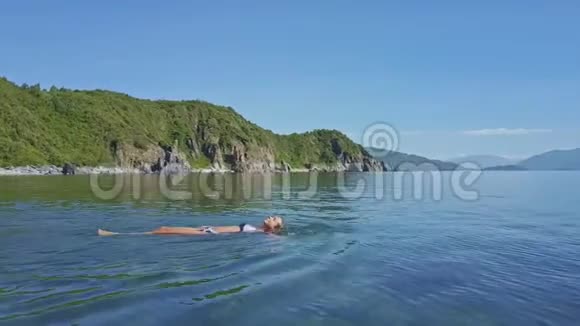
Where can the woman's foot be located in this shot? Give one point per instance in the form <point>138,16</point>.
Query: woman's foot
<point>105,232</point>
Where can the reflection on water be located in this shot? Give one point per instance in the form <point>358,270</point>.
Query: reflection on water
<point>510,257</point>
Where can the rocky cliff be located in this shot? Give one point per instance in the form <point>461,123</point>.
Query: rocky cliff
<point>156,159</point>
<point>92,128</point>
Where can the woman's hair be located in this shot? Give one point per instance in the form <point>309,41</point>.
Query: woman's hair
<point>278,226</point>
<point>281,222</point>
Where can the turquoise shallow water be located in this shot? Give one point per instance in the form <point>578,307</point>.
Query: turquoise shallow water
<point>510,257</point>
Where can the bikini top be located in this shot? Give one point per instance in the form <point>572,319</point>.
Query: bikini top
<point>243,228</point>
<point>247,228</point>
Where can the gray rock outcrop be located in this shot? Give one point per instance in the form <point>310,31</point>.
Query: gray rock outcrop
<point>69,169</point>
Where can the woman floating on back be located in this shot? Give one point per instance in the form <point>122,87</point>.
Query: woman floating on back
<point>272,224</point>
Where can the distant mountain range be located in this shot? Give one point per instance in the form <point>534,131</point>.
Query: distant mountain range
<point>485,161</point>
<point>552,160</point>
<point>505,168</point>
<point>397,161</point>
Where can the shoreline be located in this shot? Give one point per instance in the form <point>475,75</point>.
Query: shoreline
<point>53,170</point>
<point>172,168</point>
<point>46,170</point>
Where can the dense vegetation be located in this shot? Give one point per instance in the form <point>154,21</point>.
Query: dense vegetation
<point>59,125</point>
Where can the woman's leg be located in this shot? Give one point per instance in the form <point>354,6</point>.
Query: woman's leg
<point>178,230</point>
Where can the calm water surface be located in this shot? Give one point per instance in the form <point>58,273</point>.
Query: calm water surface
<point>512,257</point>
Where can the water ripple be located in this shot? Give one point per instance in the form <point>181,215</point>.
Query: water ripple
<point>510,258</point>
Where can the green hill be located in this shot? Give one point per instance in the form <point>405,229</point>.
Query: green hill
<point>98,127</point>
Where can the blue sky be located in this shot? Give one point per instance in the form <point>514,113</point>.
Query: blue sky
<point>453,77</point>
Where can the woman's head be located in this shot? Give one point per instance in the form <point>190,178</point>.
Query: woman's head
<point>273,224</point>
